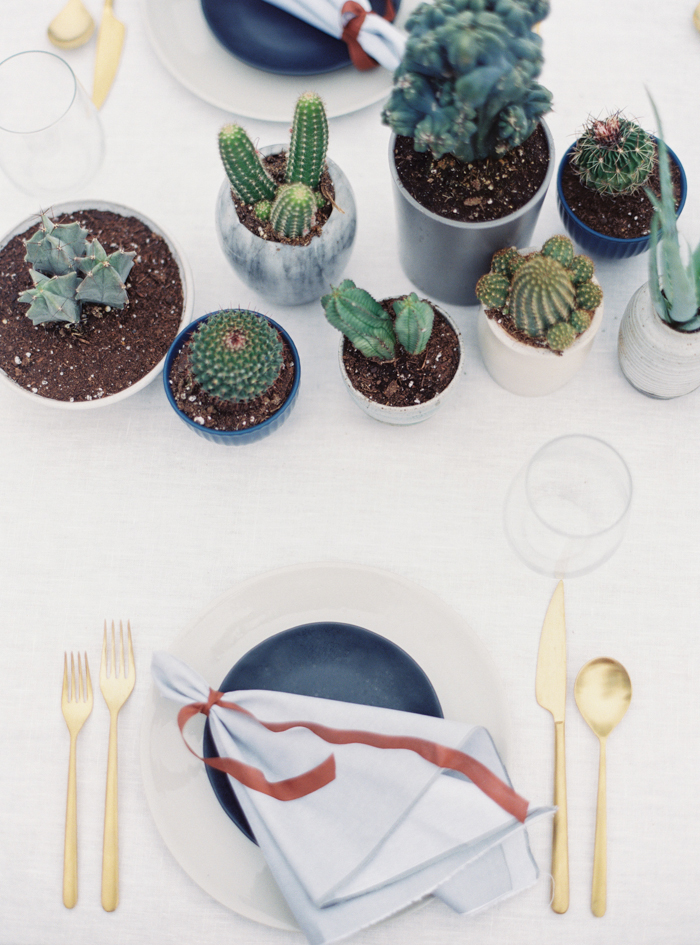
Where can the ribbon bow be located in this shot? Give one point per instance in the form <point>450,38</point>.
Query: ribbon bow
<point>354,16</point>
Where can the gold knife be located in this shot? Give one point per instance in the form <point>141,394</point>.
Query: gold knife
<point>110,40</point>
<point>551,695</point>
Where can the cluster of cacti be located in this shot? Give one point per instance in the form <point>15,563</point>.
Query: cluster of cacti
<point>236,355</point>
<point>57,253</point>
<point>613,155</point>
<point>370,328</point>
<point>306,160</point>
<point>549,294</point>
<point>675,290</point>
<point>466,84</point>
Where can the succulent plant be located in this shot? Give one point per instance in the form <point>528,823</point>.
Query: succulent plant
<point>674,287</point>
<point>306,159</point>
<point>368,326</point>
<point>236,355</point>
<point>309,143</point>
<point>292,213</point>
<point>58,252</point>
<point>466,84</point>
<point>613,155</point>
<point>549,294</point>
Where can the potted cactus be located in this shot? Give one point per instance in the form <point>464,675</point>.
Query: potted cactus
<point>470,157</point>
<point>232,376</point>
<point>602,186</point>
<point>399,358</point>
<point>92,297</point>
<point>659,338</point>
<point>285,218</point>
<point>540,311</point>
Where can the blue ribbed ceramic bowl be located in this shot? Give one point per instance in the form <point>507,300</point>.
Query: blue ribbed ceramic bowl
<point>232,437</point>
<point>597,244</point>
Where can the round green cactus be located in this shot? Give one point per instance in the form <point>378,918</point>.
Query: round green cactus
<point>541,295</point>
<point>492,289</point>
<point>588,296</point>
<point>580,320</point>
<point>560,248</point>
<point>293,211</point>
<point>613,155</point>
<point>236,355</point>
<point>581,269</point>
<point>561,336</point>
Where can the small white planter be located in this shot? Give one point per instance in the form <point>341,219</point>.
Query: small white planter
<point>289,275</point>
<point>415,413</point>
<point>187,304</point>
<point>658,360</point>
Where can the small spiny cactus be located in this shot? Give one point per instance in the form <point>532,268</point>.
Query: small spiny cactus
<point>361,319</point>
<point>54,248</point>
<point>105,276</point>
<point>236,355</point>
<point>560,248</point>
<point>245,170</point>
<point>307,149</point>
<point>52,299</point>
<point>293,211</point>
<point>413,323</point>
<point>613,155</point>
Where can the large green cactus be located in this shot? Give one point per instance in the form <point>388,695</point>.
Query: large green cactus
<point>306,158</point>
<point>541,294</point>
<point>293,211</point>
<point>236,355</point>
<point>246,172</point>
<point>466,83</point>
<point>613,155</point>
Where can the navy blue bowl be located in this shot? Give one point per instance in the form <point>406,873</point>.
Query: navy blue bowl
<point>597,244</point>
<point>232,437</point>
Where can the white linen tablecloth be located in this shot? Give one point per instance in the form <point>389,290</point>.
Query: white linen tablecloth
<point>123,513</point>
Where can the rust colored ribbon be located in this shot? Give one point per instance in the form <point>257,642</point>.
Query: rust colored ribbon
<point>360,59</point>
<point>313,779</point>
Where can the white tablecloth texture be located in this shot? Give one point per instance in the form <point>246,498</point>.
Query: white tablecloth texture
<point>122,512</point>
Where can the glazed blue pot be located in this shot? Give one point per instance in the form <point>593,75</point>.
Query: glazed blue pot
<point>598,244</point>
<point>232,437</point>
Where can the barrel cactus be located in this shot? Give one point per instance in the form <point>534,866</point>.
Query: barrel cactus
<point>550,295</point>
<point>236,355</point>
<point>613,155</point>
<point>252,183</point>
<point>292,213</point>
<point>467,82</point>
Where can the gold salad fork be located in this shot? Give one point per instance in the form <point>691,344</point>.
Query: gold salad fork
<point>76,704</point>
<point>116,683</point>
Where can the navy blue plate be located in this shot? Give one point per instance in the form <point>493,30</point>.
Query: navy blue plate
<point>332,661</point>
<point>271,39</point>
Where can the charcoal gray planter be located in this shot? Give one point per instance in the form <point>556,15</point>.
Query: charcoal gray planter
<point>445,258</point>
<point>290,275</point>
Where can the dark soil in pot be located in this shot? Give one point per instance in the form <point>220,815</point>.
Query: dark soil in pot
<point>276,164</point>
<point>107,351</point>
<point>408,379</point>
<point>478,192</point>
<point>624,216</point>
<point>216,414</point>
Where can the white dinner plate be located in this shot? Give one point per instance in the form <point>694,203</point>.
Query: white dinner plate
<point>189,50</point>
<point>195,828</point>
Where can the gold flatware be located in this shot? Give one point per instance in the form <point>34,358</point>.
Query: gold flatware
<point>110,40</point>
<point>603,691</point>
<point>116,682</point>
<point>696,17</point>
<point>76,704</point>
<point>551,695</point>
<point>72,26</point>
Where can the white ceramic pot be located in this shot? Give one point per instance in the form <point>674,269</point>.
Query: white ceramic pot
<point>528,371</point>
<point>403,416</point>
<point>187,306</point>
<point>658,360</point>
<point>289,275</point>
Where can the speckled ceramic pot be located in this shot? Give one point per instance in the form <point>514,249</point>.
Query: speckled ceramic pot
<point>290,275</point>
<point>658,360</point>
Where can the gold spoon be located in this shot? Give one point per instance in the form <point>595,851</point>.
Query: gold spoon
<point>603,691</point>
<point>72,27</point>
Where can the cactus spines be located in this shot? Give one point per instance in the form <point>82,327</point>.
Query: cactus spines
<point>244,169</point>
<point>613,155</point>
<point>588,296</point>
<point>361,319</point>
<point>560,248</point>
<point>293,211</point>
<point>52,299</point>
<point>492,289</point>
<point>236,355</point>
<point>561,336</point>
<point>413,323</point>
<point>581,269</point>
<point>580,320</point>
<point>466,83</point>
<point>105,276</point>
<point>541,295</point>
<point>53,249</point>
<point>263,210</point>
<point>309,142</point>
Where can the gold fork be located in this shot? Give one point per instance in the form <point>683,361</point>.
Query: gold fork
<point>116,685</point>
<point>76,704</point>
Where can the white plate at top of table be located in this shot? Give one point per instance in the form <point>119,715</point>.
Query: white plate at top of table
<point>189,50</point>
<point>194,826</point>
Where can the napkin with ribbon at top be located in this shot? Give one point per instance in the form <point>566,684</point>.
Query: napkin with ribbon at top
<point>361,811</point>
<point>371,38</point>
